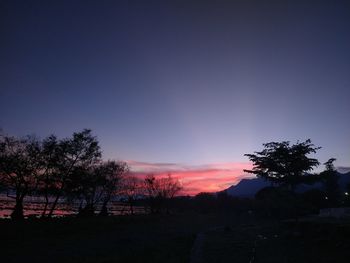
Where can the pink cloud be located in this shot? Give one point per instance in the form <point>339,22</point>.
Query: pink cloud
<point>194,179</point>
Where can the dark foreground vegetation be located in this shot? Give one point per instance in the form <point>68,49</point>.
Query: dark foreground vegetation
<point>143,238</point>
<point>163,238</point>
<point>274,226</point>
<point>308,241</point>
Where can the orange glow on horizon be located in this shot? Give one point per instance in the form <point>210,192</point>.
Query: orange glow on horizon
<point>195,179</point>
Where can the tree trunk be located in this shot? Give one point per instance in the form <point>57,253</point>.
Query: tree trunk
<point>59,193</point>
<point>87,211</point>
<point>17,213</point>
<point>131,208</point>
<point>296,204</point>
<point>53,207</point>
<point>43,214</point>
<point>104,210</point>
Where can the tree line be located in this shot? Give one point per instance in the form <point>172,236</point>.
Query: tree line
<point>287,166</point>
<point>73,169</point>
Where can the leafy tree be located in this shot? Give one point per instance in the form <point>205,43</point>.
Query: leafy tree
<point>96,184</point>
<point>330,179</point>
<point>20,165</point>
<point>283,163</point>
<point>276,202</point>
<point>114,173</point>
<point>50,157</point>
<point>80,151</point>
<point>70,168</point>
<point>83,184</point>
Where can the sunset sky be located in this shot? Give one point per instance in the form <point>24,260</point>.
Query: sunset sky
<point>186,87</point>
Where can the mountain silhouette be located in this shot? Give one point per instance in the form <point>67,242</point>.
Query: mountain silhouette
<point>249,187</point>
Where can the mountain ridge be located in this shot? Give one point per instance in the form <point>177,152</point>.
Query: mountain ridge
<point>249,187</point>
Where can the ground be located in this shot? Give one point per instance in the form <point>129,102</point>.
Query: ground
<point>143,238</point>
<point>170,238</point>
<point>308,241</point>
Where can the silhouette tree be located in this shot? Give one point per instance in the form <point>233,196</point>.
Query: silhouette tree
<point>151,187</point>
<point>20,164</point>
<point>131,189</point>
<point>74,153</point>
<point>160,191</point>
<point>113,174</point>
<point>70,168</point>
<point>50,157</point>
<point>83,184</point>
<point>284,164</point>
<point>330,179</point>
<point>96,184</point>
<point>169,187</point>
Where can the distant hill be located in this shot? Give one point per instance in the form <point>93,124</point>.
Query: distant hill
<point>249,187</point>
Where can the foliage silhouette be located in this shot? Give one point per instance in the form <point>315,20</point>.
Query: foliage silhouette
<point>77,152</point>
<point>51,157</point>
<point>160,190</point>
<point>132,188</point>
<point>20,164</point>
<point>284,164</point>
<point>70,168</point>
<point>330,179</point>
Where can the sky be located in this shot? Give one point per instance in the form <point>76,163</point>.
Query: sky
<point>186,87</point>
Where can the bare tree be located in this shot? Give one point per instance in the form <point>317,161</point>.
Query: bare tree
<point>160,191</point>
<point>151,188</point>
<point>169,188</point>
<point>113,172</point>
<point>132,188</point>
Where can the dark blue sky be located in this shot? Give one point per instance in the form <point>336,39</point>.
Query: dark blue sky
<point>184,82</point>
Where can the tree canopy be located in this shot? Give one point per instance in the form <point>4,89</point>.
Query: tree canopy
<point>330,179</point>
<point>284,163</point>
<point>69,168</point>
